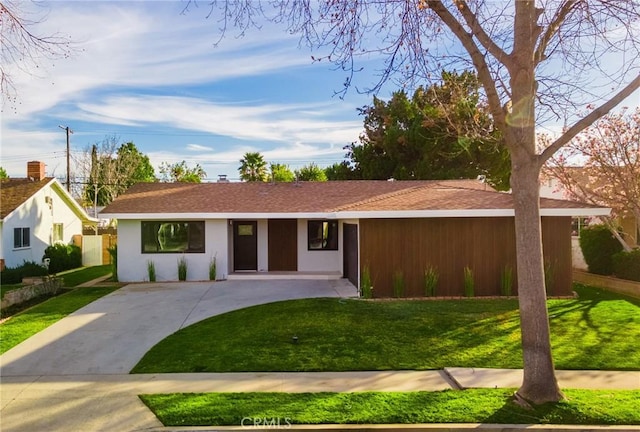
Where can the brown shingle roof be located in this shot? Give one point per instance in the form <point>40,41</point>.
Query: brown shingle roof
<point>14,192</point>
<point>314,197</point>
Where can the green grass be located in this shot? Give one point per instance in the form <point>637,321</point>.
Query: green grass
<point>599,330</point>
<point>25,324</point>
<point>450,406</point>
<point>85,274</point>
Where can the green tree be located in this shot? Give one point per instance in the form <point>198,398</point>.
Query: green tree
<point>110,168</point>
<point>180,172</point>
<point>3,173</point>
<point>442,132</point>
<point>311,172</point>
<point>253,167</point>
<point>282,173</point>
<point>340,171</point>
<point>535,60</point>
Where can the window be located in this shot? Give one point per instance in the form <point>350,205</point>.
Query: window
<point>172,237</point>
<point>58,233</point>
<point>323,235</point>
<point>21,238</point>
<point>577,224</point>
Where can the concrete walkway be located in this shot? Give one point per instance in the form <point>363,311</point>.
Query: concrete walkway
<point>110,402</point>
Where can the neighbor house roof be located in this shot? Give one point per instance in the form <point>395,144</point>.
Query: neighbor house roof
<point>14,192</point>
<point>345,199</point>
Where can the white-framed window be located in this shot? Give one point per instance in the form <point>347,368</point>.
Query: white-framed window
<point>21,237</point>
<point>58,233</point>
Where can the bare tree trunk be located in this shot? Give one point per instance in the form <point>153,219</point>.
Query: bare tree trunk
<point>539,384</point>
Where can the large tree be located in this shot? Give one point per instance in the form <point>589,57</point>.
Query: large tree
<point>253,167</point>
<point>281,173</point>
<point>442,132</point>
<point>311,172</point>
<point>602,166</point>
<point>180,172</point>
<point>109,168</point>
<point>535,60</point>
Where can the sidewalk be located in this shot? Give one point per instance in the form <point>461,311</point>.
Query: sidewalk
<point>110,402</point>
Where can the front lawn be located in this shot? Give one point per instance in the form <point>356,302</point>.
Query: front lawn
<point>85,274</point>
<point>599,330</point>
<point>25,324</point>
<point>591,407</point>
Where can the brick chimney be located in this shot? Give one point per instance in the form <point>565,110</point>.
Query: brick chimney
<point>35,170</point>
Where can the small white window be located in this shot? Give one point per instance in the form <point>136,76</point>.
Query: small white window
<point>58,233</point>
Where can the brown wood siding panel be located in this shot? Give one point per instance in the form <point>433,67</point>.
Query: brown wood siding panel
<point>283,245</point>
<point>486,245</point>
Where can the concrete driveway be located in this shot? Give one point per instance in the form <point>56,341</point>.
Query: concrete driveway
<point>110,335</point>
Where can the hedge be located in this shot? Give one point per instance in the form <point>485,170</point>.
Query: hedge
<point>63,257</point>
<point>598,246</point>
<point>14,275</point>
<point>626,265</point>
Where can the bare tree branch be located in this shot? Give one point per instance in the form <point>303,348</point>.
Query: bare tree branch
<point>587,120</point>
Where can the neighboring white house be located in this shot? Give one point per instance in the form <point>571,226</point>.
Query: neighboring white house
<point>36,212</point>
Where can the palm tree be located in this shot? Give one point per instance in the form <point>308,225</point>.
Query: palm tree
<point>253,167</point>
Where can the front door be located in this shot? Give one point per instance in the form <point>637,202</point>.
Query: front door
<point>245,245</point>
<point>350,257</point>
<point>283,245</point>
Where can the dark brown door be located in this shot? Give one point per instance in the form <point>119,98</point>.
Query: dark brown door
<point>283,245</point>
<point>350,257</point>
<point>245,245</point>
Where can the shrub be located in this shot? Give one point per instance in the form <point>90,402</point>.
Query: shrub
<point>430,281</point>
<point>469,284</point>
<point>598,246</point>
<point>182,269</point>
<point>63,257</point>
<point>398,284</point>
<point>366,288</point>
<point>506,281</point>
<point>626,265</point>
<point>549,277</point>
<point>151,271</point>
<point>28,269</point>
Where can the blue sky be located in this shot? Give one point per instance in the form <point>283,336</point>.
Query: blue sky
<point>152,75</point>
<point>148,73</point>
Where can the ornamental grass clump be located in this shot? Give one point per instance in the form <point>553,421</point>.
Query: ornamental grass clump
<point>430,281</point>
<point>213,268</point>
<point>398,284</point>
<point>469,283</point>
<point>151,271</point>
<point>182,269</point>
<point>366,288</point>
<point>506,281</point>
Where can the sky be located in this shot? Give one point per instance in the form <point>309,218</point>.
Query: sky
<point>146,72</point>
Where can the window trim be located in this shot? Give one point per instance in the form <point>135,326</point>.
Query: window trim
<point>330,223</point>
<point>203,238</point>
<point>21,237</point>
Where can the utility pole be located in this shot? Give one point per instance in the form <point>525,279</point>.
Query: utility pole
<point>68,130</point>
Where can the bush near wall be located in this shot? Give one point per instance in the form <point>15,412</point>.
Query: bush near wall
<point>626,265</point>
<point>598,246</point>
<point>14,275</point>
<point>63,257</point>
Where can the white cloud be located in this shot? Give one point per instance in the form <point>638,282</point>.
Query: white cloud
<point>142,44</point>
<point>268,122</point>
<point>198,148</point>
